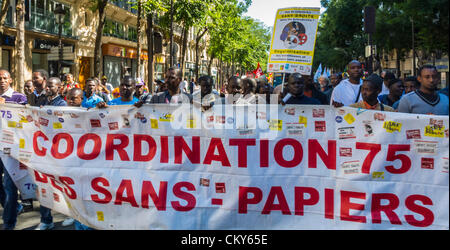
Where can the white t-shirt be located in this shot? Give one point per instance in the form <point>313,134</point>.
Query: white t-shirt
<point>384,91</point>
<point>183,86</point>
<point>346,92</point>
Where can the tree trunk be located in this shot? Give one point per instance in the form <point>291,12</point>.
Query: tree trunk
<point>171,61</point>
<point>98,39</point>
<point>150,42</point>
<point>138,27</point>
<point>3,13</point>
<point>20,46</point>
<point>183,51</point>
<point>197,56</point>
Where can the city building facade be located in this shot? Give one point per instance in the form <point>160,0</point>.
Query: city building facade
<point>119,43</point>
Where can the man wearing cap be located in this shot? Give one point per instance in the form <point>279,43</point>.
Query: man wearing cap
<point>107,84</point>
<point>370,89</point>
<point>141,89</point>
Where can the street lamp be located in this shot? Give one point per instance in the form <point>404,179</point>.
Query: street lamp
<point>60,13</point>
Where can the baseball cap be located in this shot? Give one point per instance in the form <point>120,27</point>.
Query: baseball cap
<point>139,82</point>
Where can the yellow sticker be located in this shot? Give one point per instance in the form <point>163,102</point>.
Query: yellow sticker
<point>191,123</point>
<point>378,175</point>
<point>166,118</point>
<point>432,131</point>
<point>276,125</point>
<point>392,127</point>
<point>23,119</point>
<point>303,120</point>
<point>349,118</point>
<point>100,216</point>
<point>12,124</point>
<point>57,125</point>
<point>154,123</point>
<point>21,143</point>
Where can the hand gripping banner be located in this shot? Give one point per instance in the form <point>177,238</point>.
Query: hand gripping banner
<point>232,167</point>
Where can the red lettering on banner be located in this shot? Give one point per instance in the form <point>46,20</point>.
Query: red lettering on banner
<point>374,149</point>
<point>276,192</point>
<point>40,177</point>
<point>391,156</point>
<point>95,151</point>
<point>264,153</point>
<point>159,200</point>
<point>244,200</point>
<point>181,146</point>
<point>388,209</point>
<point>242,149</point>
<point>300,200</point>
<point>346,206</point>
<point>53,182</point>
<point>70,192</point>
<point>95,183</point>
<point>125,185</point>
<point>164,149</point>
<point>216,143</point>
<point>120,148</point>
<point>314,149</point>
<point>185,196</point>
<point>329,203</point>
<point>138,156</point>
<point>428,216</point>
<point>55,147</point>
<point>298,153</point>
<point>37,150</point>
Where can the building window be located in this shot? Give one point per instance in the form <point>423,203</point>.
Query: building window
<point>6,56</point>
<point>42,18</point>
<point>39,61</point>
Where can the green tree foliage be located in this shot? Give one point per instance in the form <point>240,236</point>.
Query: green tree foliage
<point>341,36</point>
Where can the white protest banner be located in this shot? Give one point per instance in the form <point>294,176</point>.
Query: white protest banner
<point>293,40</point>
<point>242,167</point>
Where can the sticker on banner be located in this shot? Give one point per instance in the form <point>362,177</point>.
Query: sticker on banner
<point>320,126</point>
<point>445,165</point>
<point>303,120</point>
<point>100,216</point>
<point>378,175</point>
<point>345,152</point>
<point>432,131</point>
<point>368,129</point>
<point>392,127</point>
<point>57,125</point>
<point>295,129</point>
<point>349,118</point>
<point>276,125</point>
<point>154,123</point>
<point>350,167</point>
<point>428,163</point>
<point>426,147</point>
<point>346,133</point>
<point>7,136</point>
<point>413,134</point>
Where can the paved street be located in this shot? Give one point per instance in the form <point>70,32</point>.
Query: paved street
<point>29,220</point>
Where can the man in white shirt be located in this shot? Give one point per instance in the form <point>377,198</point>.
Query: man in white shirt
<point>349,90</point>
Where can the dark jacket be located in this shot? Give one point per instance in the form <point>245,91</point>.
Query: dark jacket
<point>37,101</point>
<point>57,101</point>
<point>164,97</point>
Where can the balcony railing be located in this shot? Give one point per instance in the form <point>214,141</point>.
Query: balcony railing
<point>124,5</point>
<point>47,24</point>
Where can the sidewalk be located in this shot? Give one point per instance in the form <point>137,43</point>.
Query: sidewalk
<point>30,220</point>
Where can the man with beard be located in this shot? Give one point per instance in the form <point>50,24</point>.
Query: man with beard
<point>126,88</point>
<point>90,98</point>
<point>39,78</point>
<point>173,94</point>
<point>52,91</point>
<point>294,89</point>
<point>349,90</point>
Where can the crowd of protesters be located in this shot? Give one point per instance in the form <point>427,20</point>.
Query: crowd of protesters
<point>415,94</point>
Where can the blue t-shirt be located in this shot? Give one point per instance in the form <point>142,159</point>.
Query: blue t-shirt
<point>118,101</point>
<point>91,102</point>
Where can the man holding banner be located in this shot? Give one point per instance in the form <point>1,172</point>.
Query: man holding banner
<point>8,189</point>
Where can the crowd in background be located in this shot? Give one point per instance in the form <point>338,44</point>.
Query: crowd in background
<point>415,94</point>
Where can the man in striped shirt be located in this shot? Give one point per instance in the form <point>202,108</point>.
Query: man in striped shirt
<point>8,190</point>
